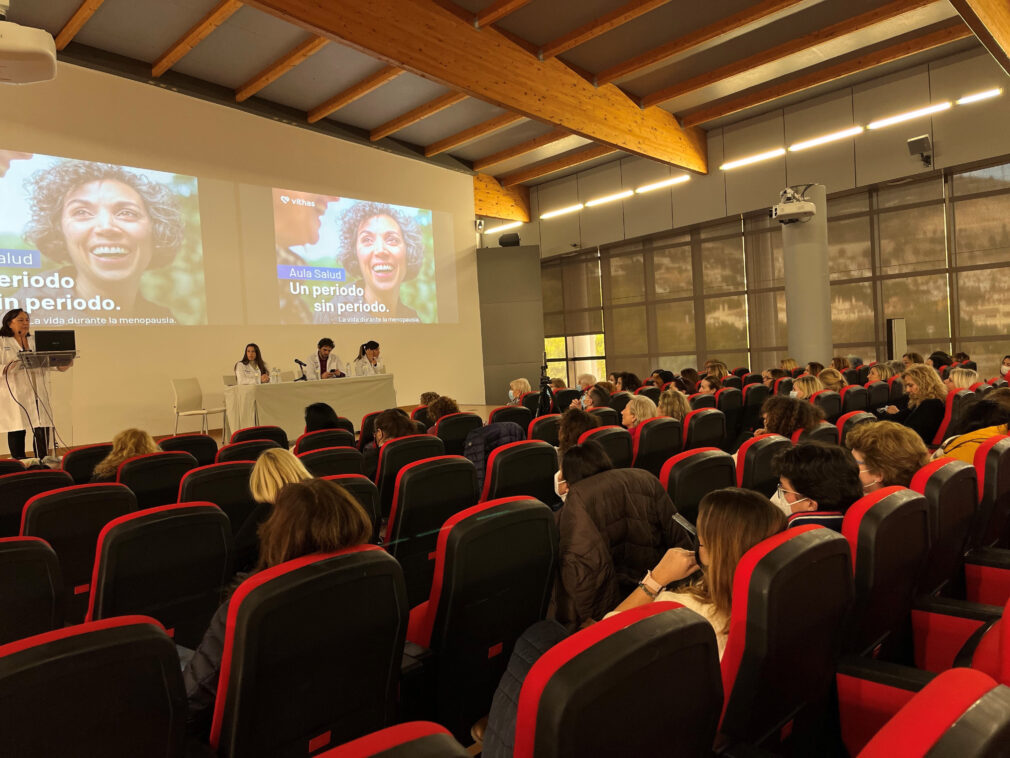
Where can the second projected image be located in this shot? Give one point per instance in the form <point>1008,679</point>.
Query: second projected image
<point>85,243</point>
<point>353,261</point>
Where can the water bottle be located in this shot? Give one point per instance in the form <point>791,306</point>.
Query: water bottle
<point>347,369</point>
<point>275,375</point>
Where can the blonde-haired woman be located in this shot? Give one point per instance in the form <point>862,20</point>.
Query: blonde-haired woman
<point>127,444</point>
<point>789,365</point>
<point>638,409</point>
<point>518,388</point>
<point>961,379</point>
<point>275,468</point>
<point>674,403</point>
<point>832,379</point>
<point>924,409</point>
<point>718,370</point>
<point>880,372</point>
<point>805,386</point>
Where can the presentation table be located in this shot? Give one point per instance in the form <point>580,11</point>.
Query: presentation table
<point>284,404</point>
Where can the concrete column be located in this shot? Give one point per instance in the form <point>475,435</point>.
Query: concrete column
<point>808,296</point>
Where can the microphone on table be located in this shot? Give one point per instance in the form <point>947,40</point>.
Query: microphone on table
<point>302,378</point>
<point>299,363</point>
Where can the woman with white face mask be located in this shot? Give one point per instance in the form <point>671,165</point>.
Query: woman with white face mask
<point>518,388</point>
<point>887,454</point>
<point>1004,368</point>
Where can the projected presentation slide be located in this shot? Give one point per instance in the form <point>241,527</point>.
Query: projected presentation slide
<point>85,243</point>
<point>353,261</point>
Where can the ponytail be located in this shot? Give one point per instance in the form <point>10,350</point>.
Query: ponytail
<point>361,351</point>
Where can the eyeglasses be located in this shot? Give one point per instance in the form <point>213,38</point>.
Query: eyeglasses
<point>782,490</point>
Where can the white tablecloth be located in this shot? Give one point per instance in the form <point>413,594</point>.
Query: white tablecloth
<point>284,404</point>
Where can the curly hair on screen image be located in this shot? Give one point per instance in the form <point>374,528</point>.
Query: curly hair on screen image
<point>357,215</point>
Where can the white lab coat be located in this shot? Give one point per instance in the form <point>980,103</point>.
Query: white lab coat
<point>247,373</point>
<point>363,367</point>
<point>333,363</point>
<point>24,383</point>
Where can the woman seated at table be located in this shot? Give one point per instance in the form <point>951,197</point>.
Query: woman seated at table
<point>252,369</point>
<point>368,362</point>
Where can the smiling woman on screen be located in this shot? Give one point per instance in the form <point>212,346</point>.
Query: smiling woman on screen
<point>109,226</point>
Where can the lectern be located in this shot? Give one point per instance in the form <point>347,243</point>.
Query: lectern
<point>38,366</point>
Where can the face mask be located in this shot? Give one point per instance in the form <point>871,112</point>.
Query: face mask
<point>512,396</point>
<point>585,401</point>
<point>792,393</point>
<point>1004,369</point>
<point>557,486</point>
<point>779,501</point>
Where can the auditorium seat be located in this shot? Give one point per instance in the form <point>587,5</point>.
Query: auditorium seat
<point>495,566</point>
<point>705,427</point>
<point>782,386</point>
<point>896,385</point>
<point>953,407</point>
<point>171,563</point>
<point>514,413</point>
<point>740,371</point>
<point>855,397</point>
<point>524,468</point>
<point>413,739</point>
<point>734,382</point>
<point>754,396</point>
<point>327,461</point>
<point>274,433</point>
<point>69,520</point>
<point>749,379</point>
<point>367,429</point>
<point>244,451</point>
<point>17,489</point>
<point>594,693</point>
<point>691,475</point>
<point>754,470</point>
<point>791,594</point>
<point>110,688</point>
<point>878,394</point>
<point>851,376</point>
<point>453,428</point>
<point>81,461</point>
<point>797,372</point>
<point>31,588</point>
<point>823,432</point>
<point>615,441</point>
<point>419,427</point>
<point>226,485</point>
<point>530,401</point>
<point>563,399</point>
<point>396,454</point>
<point>699,400</point>
<point>362,489</point>
<point>729,400</point>
<point>618,400</point>
<point>420,413</point>
<point>658,439</point>
<point>849,421</point>
<point>830,403</point>
<point>545,428</point>
<point>650,392</point>
<point>605,415</point>
<point>322,439</point>
<point>201,446</point>
<point>312,654</point>
<point>992,466</point>
<point>426,494</point>
<point>11,466</point>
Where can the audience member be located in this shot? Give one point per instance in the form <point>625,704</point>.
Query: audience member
<point>427,398</point>
<point>805,386</point>
<point>910,358</point>
<point>638,409</point>
<point>518,388</point>
<point>557,383</point>
<point>771,375</point>
<point>441,406</point>
<point>989,417</point>
<point>574,423</point>
<point>839,363</point>
<point>674,403</point>
<point>880,372</point>
<point>609,387</point>
<point>662,377</point>
<point>585,381</point>
<point>887,454</point>
<point>960,379</point>
<point>691,377</point>
<point>127,444</point>
<point>314,516</point>
<point>709,385</point>
<point>788,365</point>
<point>832,379</point>
<point>581,462</point>
<point>1004,366</point>
<point>625,381</point>
<point>961,357</point>
<point>924,409</point>
<point>786,415</point>
<point>855,361</point>
<point>937,359</point>
<point>319,416</point>
<point>814,368</point>
<point>718,371</point>
<point>814,476</point>
<point>391,424</point>
<point>596,396</point>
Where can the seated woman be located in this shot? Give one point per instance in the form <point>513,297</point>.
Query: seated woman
<point>909,358</point>
<point>938,359</point>
<point>880,372</point>
<point>368,362</point>
<point>574,423</point>
<point>786,415</point>
<point>690,377</point>
<point>314,516</point>
<point>961,357</point>
<point>585,381</point>
<point>518,388</point>
<point>580,462</point>
<point>127,444</point>
<point>814,368</point>
<point>442,406</point>
<point>925,406</point>
<point>814,476</point>
<point>805,386</point>
<point>839,363</point>
<point>887,454</point>
<point>625,381</point>
<point>730,522</point>
<point>989,417</point>
<point>661,377</point>
<point>788,365</point>
<point>961,379</point>
<point>771,375</point>
<point>638,409</point>
<point>709,385</point>
<point>718,371</point>
<point>1004,366</point>
<point>596,397</point>
<point>426,399</point>
<point>557,383</point>
<point>674,403</point>
<point>832,379</point>
<point>320,416</point>
<point>391,424</point>
<point>252,369</point>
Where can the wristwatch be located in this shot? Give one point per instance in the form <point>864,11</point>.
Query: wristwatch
<point>650,586</point>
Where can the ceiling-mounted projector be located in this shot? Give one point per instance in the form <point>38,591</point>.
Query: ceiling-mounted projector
<point>27,55</point>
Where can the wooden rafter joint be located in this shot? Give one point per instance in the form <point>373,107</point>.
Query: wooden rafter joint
<point>490,198</point>
<point>197,34</point>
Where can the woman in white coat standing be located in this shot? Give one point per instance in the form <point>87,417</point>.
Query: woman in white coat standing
<point>368,362</point>
<point>19,405</point>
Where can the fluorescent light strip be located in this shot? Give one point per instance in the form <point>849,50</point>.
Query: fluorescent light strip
<point>665,183</point>
<point>503,227</point>
<point>609,198</point>
<point>779,151</point>
<point>980,96</point>
<point>901,117</point>
<point>834,137</point>
<point>561,211</point>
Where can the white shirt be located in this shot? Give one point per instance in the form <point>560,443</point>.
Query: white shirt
<point>248,373</point>
<point>363,367</point>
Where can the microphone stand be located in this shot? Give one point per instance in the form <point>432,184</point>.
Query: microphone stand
<point>301,367</point>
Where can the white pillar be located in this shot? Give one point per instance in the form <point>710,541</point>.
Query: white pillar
<point>808,296</point>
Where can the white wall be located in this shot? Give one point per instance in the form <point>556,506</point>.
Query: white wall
<point>122,377</point>
<point>961,135</point>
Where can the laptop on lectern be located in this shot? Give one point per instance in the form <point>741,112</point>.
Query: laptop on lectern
<point>55,341</point>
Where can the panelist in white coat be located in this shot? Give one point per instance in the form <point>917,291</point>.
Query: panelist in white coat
<point>368,362</point>
<point>252,369</point>
<point>324,363</point>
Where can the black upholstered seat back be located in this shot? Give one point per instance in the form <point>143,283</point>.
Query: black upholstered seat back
<point>452,430</point>
<point>545,428</point>
<point>951,491</point>
<point>754,469</point>
<point>31,588</point>
<point>322,439</point>
<point>619,400</point>
<point>274,433</point>
<point>522,468</point>
<point>396,454</point>
<point>327,461</point>
<point>203,447</point>
<point>705,427</point>
<point>729,400</point>
<point>615,441</point>
<point>606,415</point>
<point>754,396</point>
<point>849,421</point>
<point>517,414</point>
<point>563,399</point>
<point>366,493</point>
<point>692,474</point>
<point>878,394</point>
<point>155,478</point>
<point>658,440</point>
<point>18,488</point>
<point>249,450</point>
<point>81,461</point>
<point>992,466</point>
<point>226,485</point>
<point>830,403</point>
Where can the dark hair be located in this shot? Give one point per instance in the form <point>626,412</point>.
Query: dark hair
<point>258,360</point>
<point>714,383</point>
<point>827,474</point>
<point>48,189</point>
<point>394,423</point>
<point>776,373</point>
<point>961,357</point>
<point>320,416</point>
<point>325,342</point>
<point>983,413</point>
<point>599,396</point>
<point>5,330</point>
<point>814,368</point>
<point>370,345</point>
<point>939,358</point>
<point>574,423</point>
<point>583,461</point>
<point>629,381</point>
<point>358,214</point>
<point>441,406</point>
<point>784,415</point>
<point>665,376</point>
<point>690,374</point>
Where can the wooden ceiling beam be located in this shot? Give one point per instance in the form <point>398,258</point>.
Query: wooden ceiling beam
<point>281,66</point>
<point>474,132</point>
<point>483,64</point>
<point>217,16</point>
<point>355,91</point>
<point>491,199</point>
<point>990,21</point>
<point>605,23</point>
<point>411,117</point>
<point>919,44</point>
<point>522,149</point>
<point>498,10</point>
<point>85,11</point>
<point>800,44</point>
<point>568,160</point>
<point>748,15</point>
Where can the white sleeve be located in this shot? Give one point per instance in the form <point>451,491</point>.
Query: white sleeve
<point>380,367</point>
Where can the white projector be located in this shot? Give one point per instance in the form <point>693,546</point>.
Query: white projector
<point>27,55</point>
